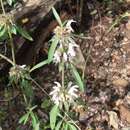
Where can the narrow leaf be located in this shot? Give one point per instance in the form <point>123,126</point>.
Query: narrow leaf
<point>2,31</point>
<point>24,118</point>
<point>10,2</point>
<point>72,127</point>
<point>77,78</point>
<point>58,126</point>
<point>13,29</point>
<point>39,65</point>
<point>57,17</point>
<point>34,120</point>
<point>66,126</point>
<point>24,33</point>
<point>53,115</point>
<point>37,127</point>
<point>52,49</point>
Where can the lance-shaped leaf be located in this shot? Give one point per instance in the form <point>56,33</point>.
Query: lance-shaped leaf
<point>24,33</point>
<point>77,78</point>
<point>72,127</point>
<point>57,17</point>
<point>53,115</point>
<point>54,43</point>
<point>39,65</point>
<point>3,30</point>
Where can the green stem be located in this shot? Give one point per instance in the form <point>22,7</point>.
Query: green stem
<point>7,59</point>
<point>2,6</point>
<point>63,75</point>
<point>12,46</point>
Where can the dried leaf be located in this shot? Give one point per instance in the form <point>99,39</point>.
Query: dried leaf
<point>79,60</point>
<point>120,82</point>
<point>124,113</point>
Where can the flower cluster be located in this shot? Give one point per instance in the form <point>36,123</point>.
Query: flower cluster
<point>67,45</point>
<point>61,95</point>
<point>19,72</point>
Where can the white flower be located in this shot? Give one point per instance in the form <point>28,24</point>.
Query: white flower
<point>22,66</point>
<point>68,25</point>
<point>56,94</point>
<point>72,92</point>
<point>68,55</point>
<point>71,50</point>
<point>60,95</point>
<point>57,56</point>
<point>67,45</point>
<point>65,57</point>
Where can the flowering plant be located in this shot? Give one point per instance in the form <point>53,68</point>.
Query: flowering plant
<point>62,52</point>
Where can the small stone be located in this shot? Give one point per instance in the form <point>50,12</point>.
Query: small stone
<point>113,119</point>
<point>97,38</point>
<point>107,49</point>
<point>125,39</point>
<point>123,43</point>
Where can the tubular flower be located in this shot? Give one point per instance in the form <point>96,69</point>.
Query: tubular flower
<point>59,96</point>
<point>67,45</point>
<point>72,92</point>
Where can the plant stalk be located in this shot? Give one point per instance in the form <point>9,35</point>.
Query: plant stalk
<point>2,6</point>
<point>63,75</point>
<point>7,59</point>
<point>12,46</point>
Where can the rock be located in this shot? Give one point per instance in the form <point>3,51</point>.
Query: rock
<point>113,119</point>
<point>120,82</point>
<point>124,113</point>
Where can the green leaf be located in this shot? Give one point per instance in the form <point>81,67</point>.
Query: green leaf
<point>24,119</point>
<point>72,127</point>
<point>1,27</point>
<point>57,17</point>
<point>77,78</point>
<point>37,127</point>
<point>39,65</point>
<point>58,126</point>
<point>27,89</point>
<point>2,31</point>
<point>52,49</point>
<point>10,2</point>
<point>53,115</point>
<point>34,120</point>
<point>66,126</point>
<point>13,29</point>
<point>46,104</point>
<point>24,33</point>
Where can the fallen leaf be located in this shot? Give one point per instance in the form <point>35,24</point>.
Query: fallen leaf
<point>120,82</point>
<point>124,113</point>
<point>79,60</point>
